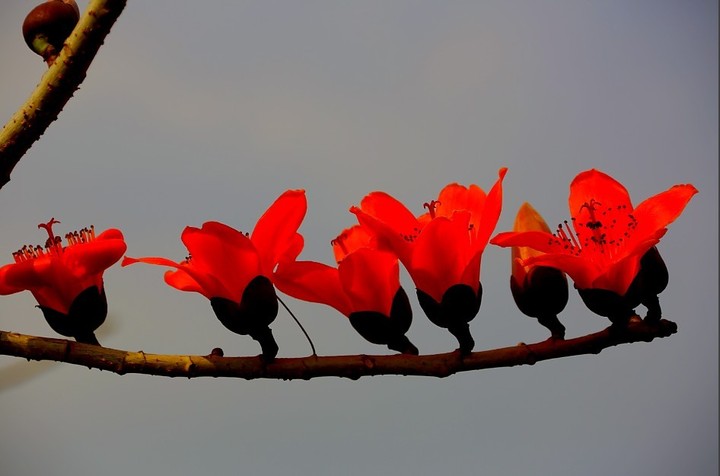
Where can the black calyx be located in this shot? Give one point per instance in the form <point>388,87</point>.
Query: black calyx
<point>87,312</point>
<point>543,295</point>
<point>651,280</point>
<point>378,328</point>
<point>458,307</point>
<point>252,315</point>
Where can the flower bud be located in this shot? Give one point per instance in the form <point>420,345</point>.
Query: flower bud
<point>48,25</point>
<point>539,291</point>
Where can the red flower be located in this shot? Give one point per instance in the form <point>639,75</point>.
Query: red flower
<point>67,280</point>
<point>235,270</point>
<point>441,249</point>
<point>608,238</point>
<point>365,287</point>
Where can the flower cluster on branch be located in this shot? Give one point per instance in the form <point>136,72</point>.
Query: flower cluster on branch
<point>608,249</point>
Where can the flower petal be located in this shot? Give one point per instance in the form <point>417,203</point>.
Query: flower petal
<point>390,220</point>
<point>595,186</point>
<point>370,278</point>
<point>352,239</point>
<point>455,197</point>
<point>313,282</point>
<point>224,253</point>
<point>662,209</point>
<point>188,278</point>
<point>276,230</point>
<point>486,222</point>
<point>440,255</point>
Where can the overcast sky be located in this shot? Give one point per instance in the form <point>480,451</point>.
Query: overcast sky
<point>209,110</point>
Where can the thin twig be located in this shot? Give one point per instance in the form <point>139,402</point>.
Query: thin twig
<point>58,83</point>
<point>348,366</point>
<point>307,336</point>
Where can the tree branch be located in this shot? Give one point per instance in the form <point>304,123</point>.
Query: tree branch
<point>58,84</point>
<point>349,366</point>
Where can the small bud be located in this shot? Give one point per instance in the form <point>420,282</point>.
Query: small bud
<point>48,25</point>
<point>539,291</point>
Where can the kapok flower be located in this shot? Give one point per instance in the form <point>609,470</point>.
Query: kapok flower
<point>365,287</point>
<point>67,281</point>
<point>235,270</point>
<point>441,249</point>
<point>539,291</point>
<point>603,250</point>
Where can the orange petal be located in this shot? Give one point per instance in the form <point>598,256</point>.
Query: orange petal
<point>276,229</point>
<point>527,219</point>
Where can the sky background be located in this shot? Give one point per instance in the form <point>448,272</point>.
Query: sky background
<point>210,110</point>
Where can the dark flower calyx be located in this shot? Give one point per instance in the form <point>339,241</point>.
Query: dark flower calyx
<point>378,328</point>
<point>252,315</point>
<point>87,312</point>
<point>543,295</point>
<point>458,307</point>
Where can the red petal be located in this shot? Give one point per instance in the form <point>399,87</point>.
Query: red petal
<point>351,239</point>
<point>223,253</point>
<point>390,220</point>
<point>8,286</point>
<point>313,282</point>
<point>371,279</point>
<point>96,256</point>
<point>276,230</point>
<point>189,278</point>
<point>440,256</point>
<point>486,222</point>
<point>660,210</point>
<point>455,197</point>
<point>595,186</point>
<point>537,240</point>
<point>582,271</point>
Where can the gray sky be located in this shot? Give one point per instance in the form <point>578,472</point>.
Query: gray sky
<point>209,110</point>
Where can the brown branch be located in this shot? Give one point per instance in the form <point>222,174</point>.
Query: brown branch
<point>348,366</point>
<point>58,83</point>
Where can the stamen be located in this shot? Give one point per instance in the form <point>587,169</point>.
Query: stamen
<point>572,235</point>
<point>431,206</point>
<point>53,245</point>
<point>48,227</point>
